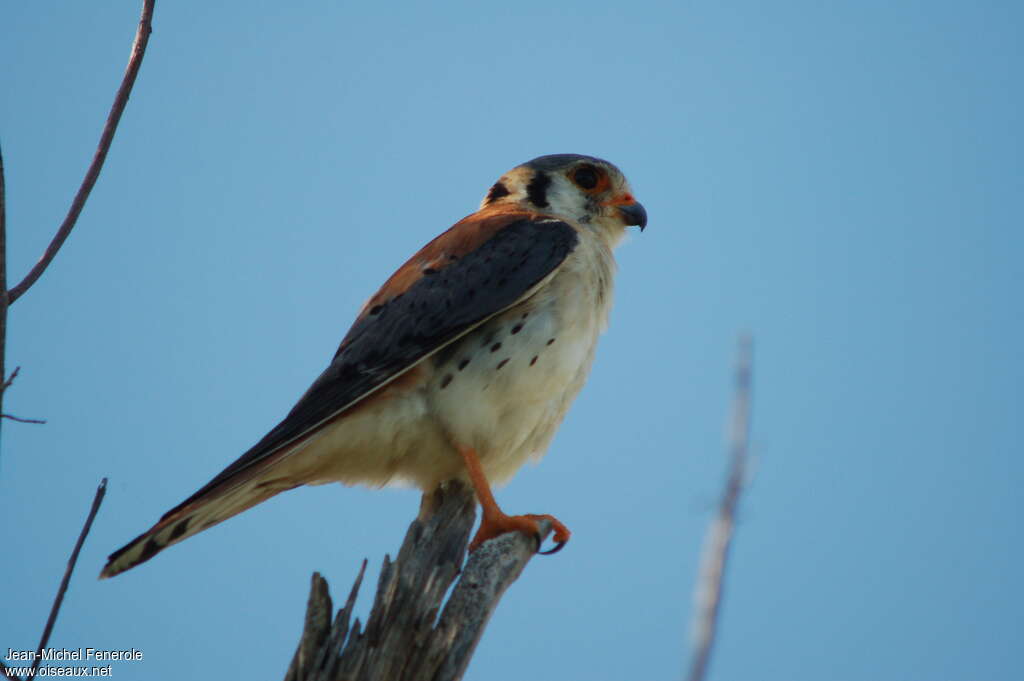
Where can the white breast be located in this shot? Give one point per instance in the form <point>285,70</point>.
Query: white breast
<point>502,389</point>
<point>505,388</point>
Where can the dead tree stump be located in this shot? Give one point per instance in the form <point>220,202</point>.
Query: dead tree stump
<point>404,639</point>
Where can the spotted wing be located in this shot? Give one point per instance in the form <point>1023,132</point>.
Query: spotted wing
<point>475,270</point>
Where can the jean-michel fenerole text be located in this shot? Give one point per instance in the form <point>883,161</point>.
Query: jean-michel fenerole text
<point>61,654</point>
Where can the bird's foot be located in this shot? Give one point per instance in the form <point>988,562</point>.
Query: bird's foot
<point>495,525</point>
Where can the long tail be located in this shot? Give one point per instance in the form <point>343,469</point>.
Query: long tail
<point>201,511</point>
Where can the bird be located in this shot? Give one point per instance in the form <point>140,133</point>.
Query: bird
<point>462,365</point>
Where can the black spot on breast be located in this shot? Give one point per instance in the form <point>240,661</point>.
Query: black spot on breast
<point>517,328</point>
<point>497,191</point>
<point>381,346</point>
<point>533,361</point>
<point>445,381</point>
<point>376,309</point>
<point>495,347</point>
<point>445,355</point>
<point>550,341</point>
<point>429,270</point>
<point>537,190</point>
<point>463,364</point>
<point>502,363</point>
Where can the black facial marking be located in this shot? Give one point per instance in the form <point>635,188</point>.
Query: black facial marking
<point>495,347</point>
<point>497,191</point>
<point>537,190</point>
<point>445,381</point>
<point>502,363</point>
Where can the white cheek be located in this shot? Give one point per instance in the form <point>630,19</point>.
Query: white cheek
<point>565,200</point>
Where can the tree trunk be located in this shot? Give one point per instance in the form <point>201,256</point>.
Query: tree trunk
<point>404,638</point>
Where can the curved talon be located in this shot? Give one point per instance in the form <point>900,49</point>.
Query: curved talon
<point>495,522</point>
<point>495,525</point>
<point>560,532</point>
<point>559,545</point>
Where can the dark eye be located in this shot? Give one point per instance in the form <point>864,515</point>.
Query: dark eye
<point>586,177</point>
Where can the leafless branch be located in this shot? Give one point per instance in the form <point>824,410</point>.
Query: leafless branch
<point>3,287</point>
<point>59,598</point>
<point>404,638</point>
<point>719,538</point>
<point>93,173</point>
<point>21,420</point>
<point>10,379</point>
<point>9,296</point>
<point>7,673</point>
<point>62,589</point>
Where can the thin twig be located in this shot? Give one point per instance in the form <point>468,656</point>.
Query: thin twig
<point>7,673</point>
<point>10,379</point>
<point>4,387</point>
<point>3,287</point>
<point>93,173</point>
<point>719,539</point>
<point>21,420</point>
<point>52,619</point>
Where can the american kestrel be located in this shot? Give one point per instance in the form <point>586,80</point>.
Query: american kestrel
<point>461,366</point>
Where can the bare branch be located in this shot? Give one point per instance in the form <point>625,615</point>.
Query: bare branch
<point>7,384</point>
<point>59,598</point>
<point>9,296</point>
<point>3,288</point>
<point>10,379</point>
<point>719,538</point>
<point>93,173</point>
<point>21,420</point>
<point>404,639</point>
<point>7,673</point>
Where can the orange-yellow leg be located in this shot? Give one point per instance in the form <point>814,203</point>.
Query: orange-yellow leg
<point>495,521</point>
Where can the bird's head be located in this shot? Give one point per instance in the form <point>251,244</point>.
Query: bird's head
<point>585,189</point>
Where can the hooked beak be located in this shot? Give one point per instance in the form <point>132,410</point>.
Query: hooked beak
<point>630,210</point>
<point>634,214</point>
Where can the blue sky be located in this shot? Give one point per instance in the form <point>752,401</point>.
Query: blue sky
<point>843,180</point>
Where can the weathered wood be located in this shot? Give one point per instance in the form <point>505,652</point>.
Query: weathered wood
<point>316,629</point>
<point>404,639</point>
